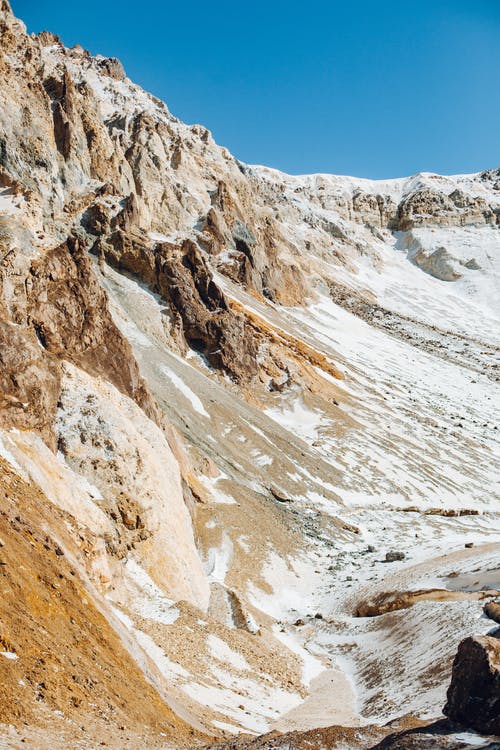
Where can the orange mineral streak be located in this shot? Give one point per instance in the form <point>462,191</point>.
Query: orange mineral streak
<point>66,656</point>
<point>293,345</point>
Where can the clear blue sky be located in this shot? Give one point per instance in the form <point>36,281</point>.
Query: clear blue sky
<point>374,88</point>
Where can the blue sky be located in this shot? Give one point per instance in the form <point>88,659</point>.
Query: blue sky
<point>373,88</point>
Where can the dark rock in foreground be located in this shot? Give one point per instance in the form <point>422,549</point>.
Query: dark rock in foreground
<point>474,692</point>
<point>441,735</point>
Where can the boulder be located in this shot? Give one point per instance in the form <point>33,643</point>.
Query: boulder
<point>473,697</point>
<point>392,601</point>
<point>439,263</point>
<point>112,67</point>
<point>440,735</point>
<point>492,610</point>
<point>394,556</point>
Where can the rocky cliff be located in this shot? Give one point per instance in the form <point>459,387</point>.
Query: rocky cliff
<point>226,393</point>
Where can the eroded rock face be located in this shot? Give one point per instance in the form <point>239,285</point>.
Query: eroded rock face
<point>91,152</point>
<point>474,694</point>
<point>208,324</point>
<point>55,309</point>
<point>90,163</point>
<point>378,210</point>
<point>202,317</point>
<point>68,310</point>
<point>49,608</point>
<point>29,383</point>
<point>106,438</point>
<point>429,207</point>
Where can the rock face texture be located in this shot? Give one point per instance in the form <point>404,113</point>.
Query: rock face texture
<point>30,382</point>
<point>49,610</point>
<point>440,735</point>
<point>68,311</point>
<point>394,601</point>
<point>474,693</point>
<point>492,610</point>
<point>216,382</point>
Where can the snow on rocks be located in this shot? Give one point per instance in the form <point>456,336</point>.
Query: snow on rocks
<point>127,449</point>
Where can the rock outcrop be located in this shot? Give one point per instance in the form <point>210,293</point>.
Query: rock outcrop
<point>474,694</point>
<point>440,735</point>
<point>392,601</point>
<point>68,311</point>
<point>29,383</point>
<point>492,610</point>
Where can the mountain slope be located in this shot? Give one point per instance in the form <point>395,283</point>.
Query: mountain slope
<point>238,390</point>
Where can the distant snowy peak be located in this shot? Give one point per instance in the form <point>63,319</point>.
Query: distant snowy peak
<point>484,184</point>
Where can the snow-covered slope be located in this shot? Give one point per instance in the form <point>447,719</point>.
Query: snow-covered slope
<point>241,390</point>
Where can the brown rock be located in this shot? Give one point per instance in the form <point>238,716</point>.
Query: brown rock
<point>473,697</point>
<point>441,735</point>
<point>280,495</point>
<point>208,324</point>
<point>492,610</point>
<point>29,382</point>
<point>392,601</point>
<point>111,67</point>
<point>68,310</point>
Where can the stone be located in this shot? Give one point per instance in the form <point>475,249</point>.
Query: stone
<point>441,735</point>
<point>112,67</point>
<point>492,610</point>
<point>394,556</point>
<point>473,698</point>
<point>279,494</point>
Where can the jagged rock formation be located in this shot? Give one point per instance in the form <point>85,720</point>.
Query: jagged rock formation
<point>215,384</point>
<point>474,692</point>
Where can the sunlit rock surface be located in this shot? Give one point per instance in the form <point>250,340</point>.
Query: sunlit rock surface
<point>235,406</point>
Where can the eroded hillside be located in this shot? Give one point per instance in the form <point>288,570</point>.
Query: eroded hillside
<point>237,410</point>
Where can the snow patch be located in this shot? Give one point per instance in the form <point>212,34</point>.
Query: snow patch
<point>186,391</point>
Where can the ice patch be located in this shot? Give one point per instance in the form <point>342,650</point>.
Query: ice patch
<point>226,727</point>
<point>217,495</point>
<point>299,419</point>
<point>311,665</point>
